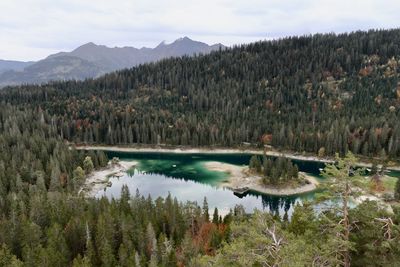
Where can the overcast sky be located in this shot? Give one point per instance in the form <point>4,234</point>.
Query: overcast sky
<point>33,29</point>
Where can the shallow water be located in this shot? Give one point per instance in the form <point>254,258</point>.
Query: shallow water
<point>185,177</point>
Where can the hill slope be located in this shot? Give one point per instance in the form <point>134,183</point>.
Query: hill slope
<point>321,94</point>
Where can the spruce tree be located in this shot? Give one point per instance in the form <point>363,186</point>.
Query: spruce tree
<point>397,190</point>
<point>215,216</point>
<point>88,165</point>
<point>206,214</point>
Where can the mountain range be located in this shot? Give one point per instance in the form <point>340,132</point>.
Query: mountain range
<point>6,65</point>
<point>91,61</point>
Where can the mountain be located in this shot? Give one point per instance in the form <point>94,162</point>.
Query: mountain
<point>51,69</point>
<point>6,65</point>
<point>111,59</point>
<point>184,46</point>
<point>91,60</point>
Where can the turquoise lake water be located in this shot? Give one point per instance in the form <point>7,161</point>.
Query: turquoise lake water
<point>185,177</point>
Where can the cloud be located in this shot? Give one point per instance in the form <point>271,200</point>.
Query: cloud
<point>32,29</point>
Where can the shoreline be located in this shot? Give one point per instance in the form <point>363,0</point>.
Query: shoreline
<point>98,179</point>
<point>208,150</point>
<point>239,179</point>
<point>201,150</point>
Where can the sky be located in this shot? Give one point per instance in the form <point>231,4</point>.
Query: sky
<point>33,29</point>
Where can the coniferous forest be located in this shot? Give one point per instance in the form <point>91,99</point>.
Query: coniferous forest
<point>322,94</point>
<point>274,172</point>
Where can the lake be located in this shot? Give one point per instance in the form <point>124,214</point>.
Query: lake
<point>185,177</point>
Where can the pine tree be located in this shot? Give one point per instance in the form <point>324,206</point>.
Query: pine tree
<point>56,252</point>
<point>106,255</point>
<point>341,176</point>
<point>55,184</point>
<point>206,214</point>
<point>397,190</point>
<point>78,176</point>
<point>88,165</point>
<point>7,258</point>
<point>255,163</point>
<point>40,181</point>
<point>151,241</point>
<point>90,252</point>
<point>102,158</point>
<point>81,262</point>
<point>215,216</point>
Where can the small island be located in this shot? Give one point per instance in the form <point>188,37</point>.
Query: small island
<point>274,177</point>
<point>278,173</point>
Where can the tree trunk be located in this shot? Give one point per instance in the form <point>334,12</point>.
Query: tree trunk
<point>346,254</point>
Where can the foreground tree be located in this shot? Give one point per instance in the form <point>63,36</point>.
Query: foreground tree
<point>7,258</point>
<point>376,237</point>
<point>397,190</point>
<point>341,177</point>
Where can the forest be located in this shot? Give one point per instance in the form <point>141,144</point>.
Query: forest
<point>45,222</point>
<point>323,93</point>
<point>274,171</point>
<point>319,94</point>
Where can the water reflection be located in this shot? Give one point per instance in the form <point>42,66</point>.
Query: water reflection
<point>185,177</point>
<point>159,185</point>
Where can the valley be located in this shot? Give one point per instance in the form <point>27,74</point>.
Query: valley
<point>236,157</point>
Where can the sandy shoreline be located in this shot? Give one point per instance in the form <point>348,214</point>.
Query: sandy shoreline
<point>239,179</point>
<point>98,180</point>
<point>206,151</point>
<point>188,150</point>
